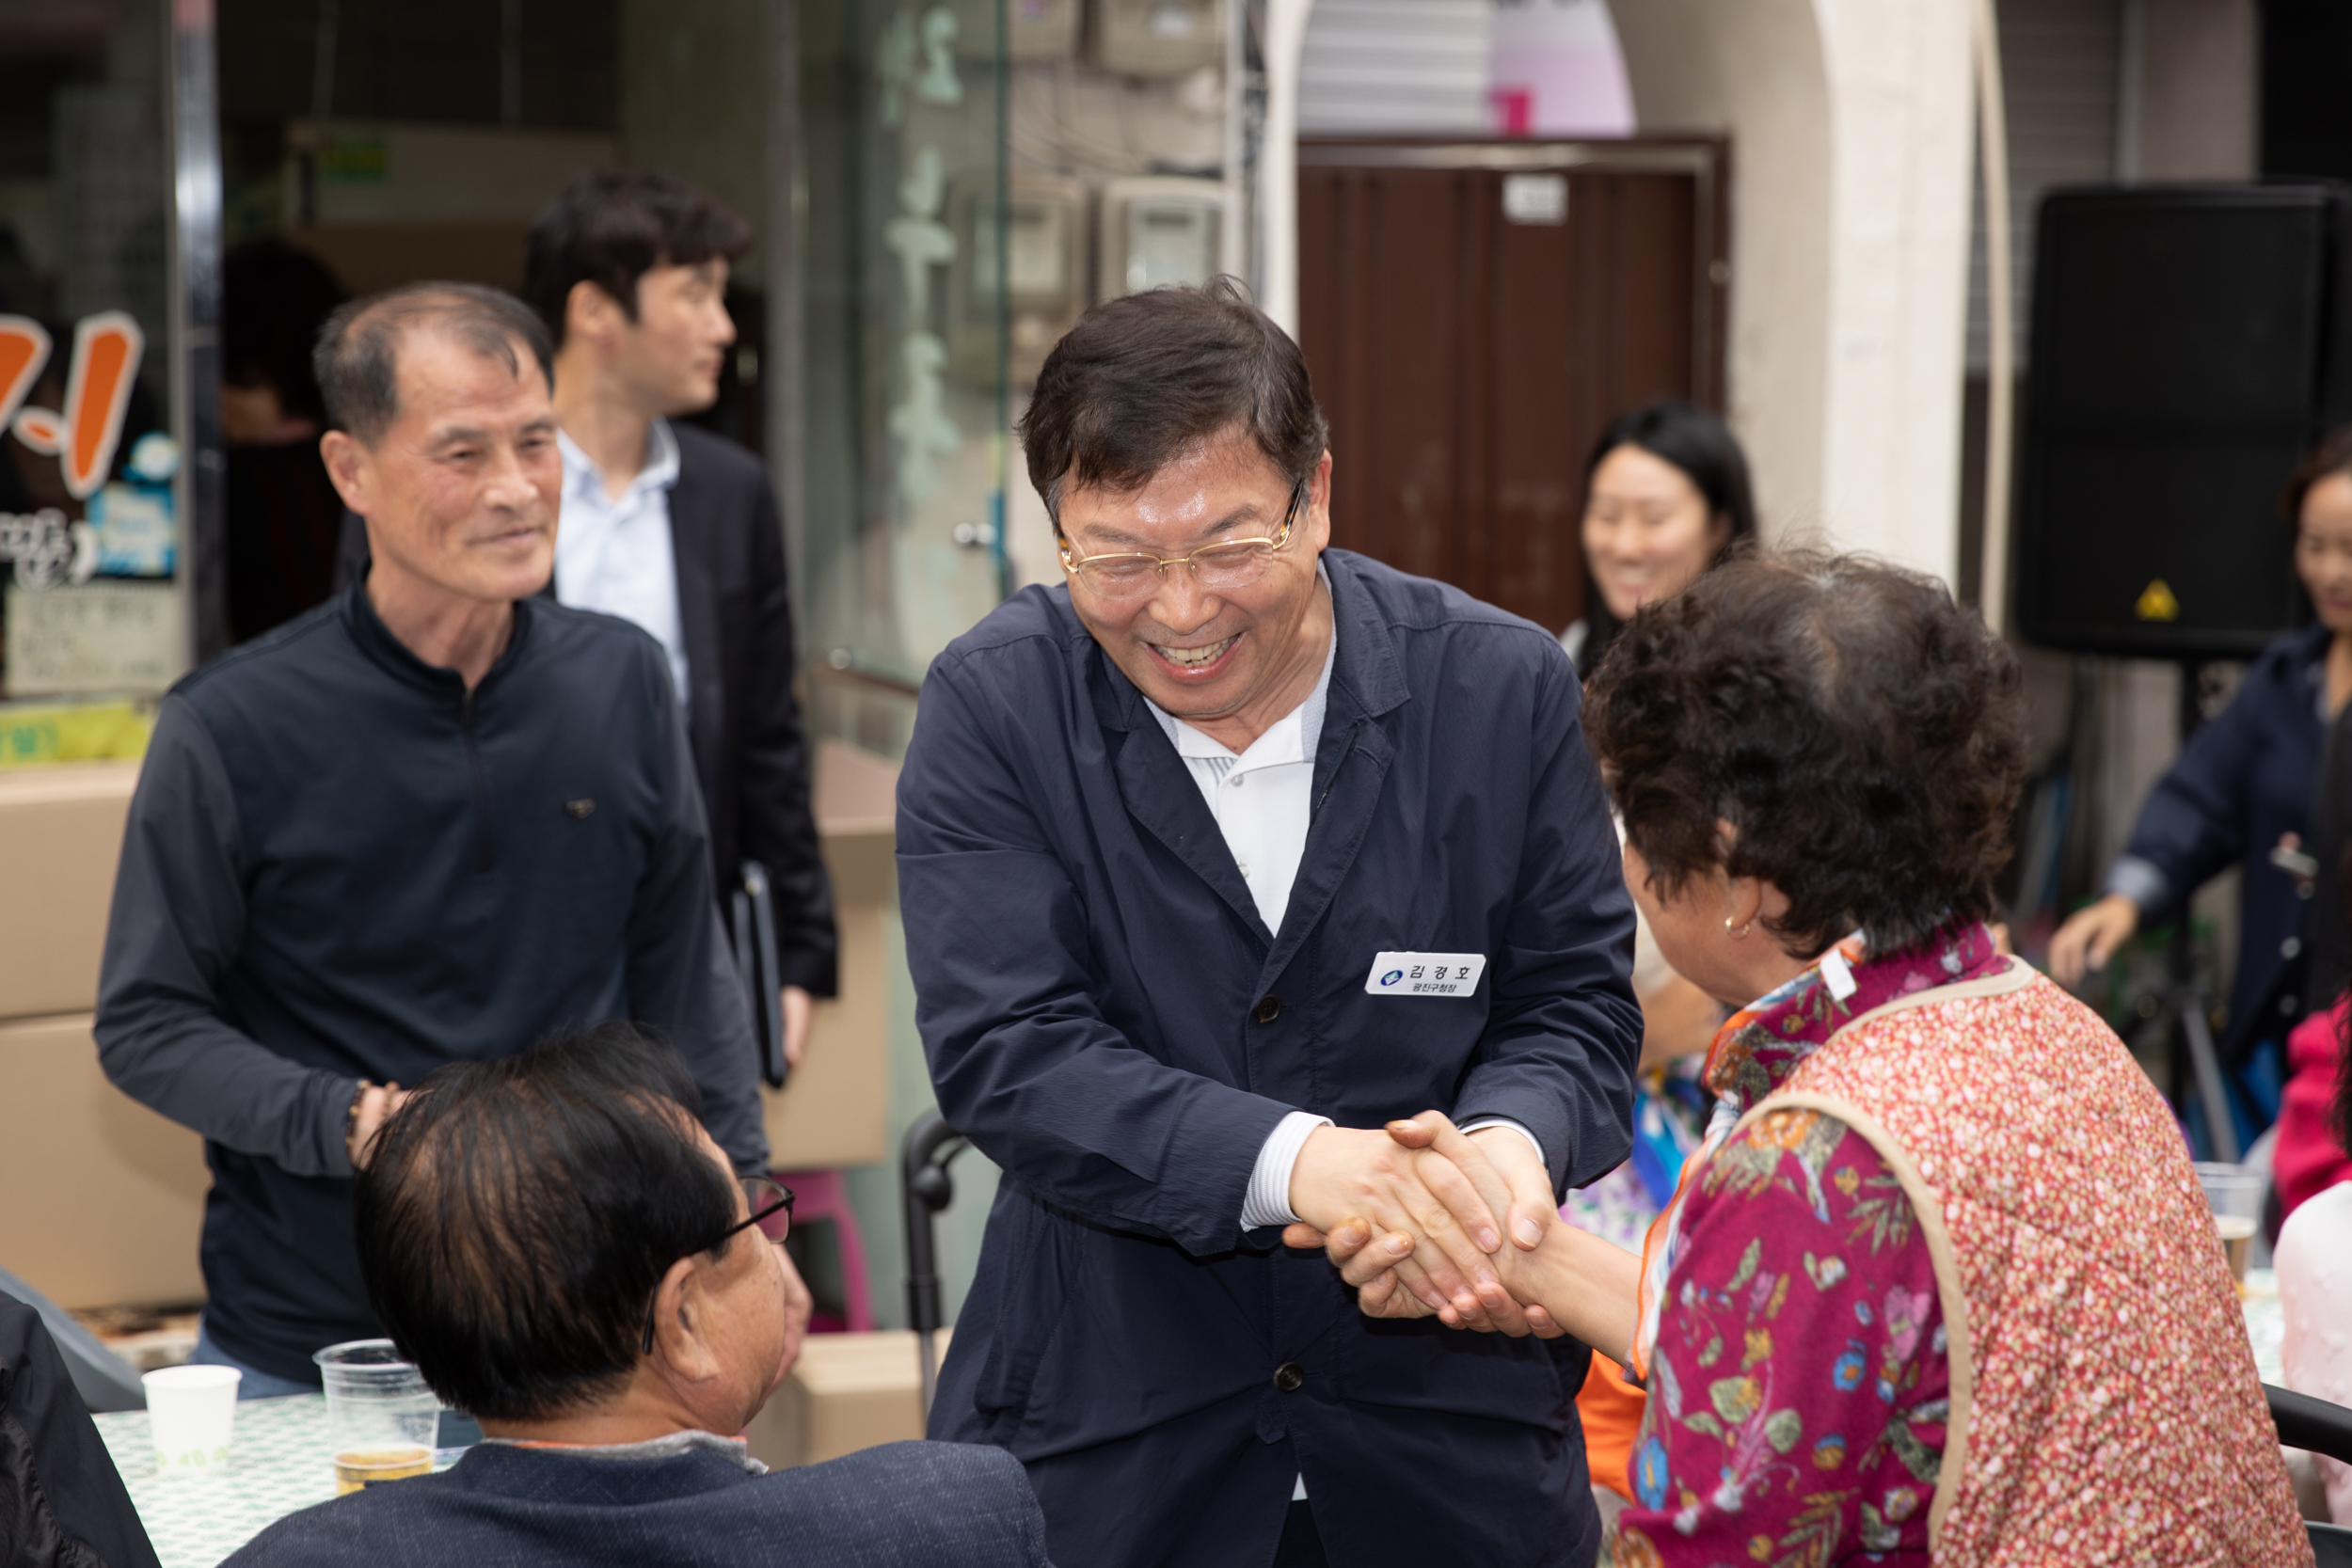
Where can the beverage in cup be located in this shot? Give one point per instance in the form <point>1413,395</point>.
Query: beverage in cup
<point>379,1413</point>
<point>191,1410</point>
<point>2235,1196</point>
<point>359,1469</point>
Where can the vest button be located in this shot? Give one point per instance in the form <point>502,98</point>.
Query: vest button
<point>1269,1009</point>
<point>1288,1376</point>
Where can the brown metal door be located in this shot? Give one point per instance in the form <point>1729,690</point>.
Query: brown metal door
<point>1470,332</point>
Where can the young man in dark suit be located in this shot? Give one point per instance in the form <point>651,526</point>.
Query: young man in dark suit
<point>677,530</point>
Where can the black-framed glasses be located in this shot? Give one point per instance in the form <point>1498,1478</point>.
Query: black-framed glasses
<point>764,1198</point>
<point>1219,568</point>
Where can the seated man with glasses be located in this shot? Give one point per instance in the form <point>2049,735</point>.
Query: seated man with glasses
<point>565,1253</point>
<point>1214,857</point>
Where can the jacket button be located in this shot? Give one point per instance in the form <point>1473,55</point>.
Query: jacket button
<point>1288,1376</point>
<point>1269,1009</point>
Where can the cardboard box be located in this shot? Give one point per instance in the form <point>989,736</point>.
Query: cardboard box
<point>846,1393</point>
<point>108,1197</point>
<point>104,1197</point>
<point>834,1108</point>
<point>60,834</point>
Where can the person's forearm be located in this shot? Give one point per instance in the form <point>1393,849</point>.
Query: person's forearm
<point>1589,1287</point>
<point>189,1066</point>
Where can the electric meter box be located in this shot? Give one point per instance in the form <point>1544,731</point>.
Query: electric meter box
<point>1040,29</point>
<point>1044,260</point>
<point>1034,29</point>
<point>1156,37</point>
<point>1158,229</point>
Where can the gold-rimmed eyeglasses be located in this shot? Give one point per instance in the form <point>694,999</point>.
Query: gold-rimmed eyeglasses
<point>1219,568</point>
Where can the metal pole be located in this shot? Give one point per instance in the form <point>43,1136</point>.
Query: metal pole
<point>196,222</point>
<point>2000,393</point>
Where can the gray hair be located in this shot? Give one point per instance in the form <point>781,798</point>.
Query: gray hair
<point>357,357</point>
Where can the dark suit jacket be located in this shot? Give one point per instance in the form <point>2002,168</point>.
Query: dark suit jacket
<point>1109,1019</point>
<point>744,724</point>
<point>903,1505</point>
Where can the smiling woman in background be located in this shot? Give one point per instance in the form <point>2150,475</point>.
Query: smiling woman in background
<point>1665,497</point>
<point>2239,793</point>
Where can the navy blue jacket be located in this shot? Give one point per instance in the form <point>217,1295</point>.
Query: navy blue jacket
<point>1109,1019</point>
<point>903,1505</point>
<point>2242,780</point>
<point>341,864</point>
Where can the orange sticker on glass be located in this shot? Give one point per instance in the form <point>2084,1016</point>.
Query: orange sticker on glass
<point>23,350</point>
<point>107,349</point>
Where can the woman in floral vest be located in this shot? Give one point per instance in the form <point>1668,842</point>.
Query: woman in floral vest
<point>1940,1285</point>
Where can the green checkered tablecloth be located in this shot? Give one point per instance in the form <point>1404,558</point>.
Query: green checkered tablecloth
<point>279,1460</point>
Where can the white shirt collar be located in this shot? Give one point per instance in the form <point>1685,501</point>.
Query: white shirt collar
<point>1288,740</point>
<point>584,481</point>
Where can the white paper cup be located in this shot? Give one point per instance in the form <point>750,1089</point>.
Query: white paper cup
<point>191,1410</point>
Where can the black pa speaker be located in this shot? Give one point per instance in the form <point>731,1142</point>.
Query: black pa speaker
<point>2188,347</point>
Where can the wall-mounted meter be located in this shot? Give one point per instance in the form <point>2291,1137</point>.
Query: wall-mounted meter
<point>1040,29</point>
<point>1158,229</point>
<point>1043,272</point>
<point>1156,37</point>
<point>1034,29</point>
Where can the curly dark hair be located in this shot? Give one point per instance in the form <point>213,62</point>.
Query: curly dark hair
<point>1863,737</point>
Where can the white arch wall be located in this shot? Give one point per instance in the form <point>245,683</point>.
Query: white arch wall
<point>1852,124</point>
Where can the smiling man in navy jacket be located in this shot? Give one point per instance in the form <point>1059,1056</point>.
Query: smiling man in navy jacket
<point>1214,860</point>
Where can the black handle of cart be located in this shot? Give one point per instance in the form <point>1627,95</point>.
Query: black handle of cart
<point>923,1158</point>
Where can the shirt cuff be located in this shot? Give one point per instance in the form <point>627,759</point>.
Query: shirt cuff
<point>2140,881</point>
<point>1506,1121</point>
<point>1268,1200</point>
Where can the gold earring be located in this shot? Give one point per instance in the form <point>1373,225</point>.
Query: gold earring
<point>1740,934</point>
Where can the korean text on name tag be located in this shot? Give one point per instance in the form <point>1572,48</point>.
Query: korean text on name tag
<point>1425,974</point>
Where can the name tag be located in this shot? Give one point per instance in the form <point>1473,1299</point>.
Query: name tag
<point>1425,974</point>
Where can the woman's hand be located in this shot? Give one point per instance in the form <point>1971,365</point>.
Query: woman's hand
<point>2090,937</point>
<point>1572,1283</point>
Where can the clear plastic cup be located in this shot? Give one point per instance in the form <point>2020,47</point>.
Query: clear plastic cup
<point>2235,1196</point>
<point>380,1414</point>
<point>192,1412</point>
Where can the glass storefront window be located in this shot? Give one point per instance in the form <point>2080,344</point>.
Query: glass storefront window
<point>364,144</point>
<point>903,331</point>
<point>93,624</point>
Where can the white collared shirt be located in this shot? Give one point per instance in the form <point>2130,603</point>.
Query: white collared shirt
<point>1260,798</point>
<point>1263,799</point>
<point>615,554</point>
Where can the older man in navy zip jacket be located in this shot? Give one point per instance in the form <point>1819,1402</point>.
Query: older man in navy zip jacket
<point>1215,859</point>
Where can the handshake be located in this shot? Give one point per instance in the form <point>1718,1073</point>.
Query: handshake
<point>1414,1217</point>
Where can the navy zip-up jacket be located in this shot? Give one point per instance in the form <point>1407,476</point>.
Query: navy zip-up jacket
<point>341,864</point>
<point>1108,1019</point>
<point>2242,780</point>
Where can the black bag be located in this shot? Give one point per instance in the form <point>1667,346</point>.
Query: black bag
<point>754,910</point>
<point>62,1505</point>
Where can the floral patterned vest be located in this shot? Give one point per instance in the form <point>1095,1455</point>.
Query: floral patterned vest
<point>2105,1401</point>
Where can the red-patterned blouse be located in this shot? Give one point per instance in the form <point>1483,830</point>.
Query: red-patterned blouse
<point>1799,1382</point>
